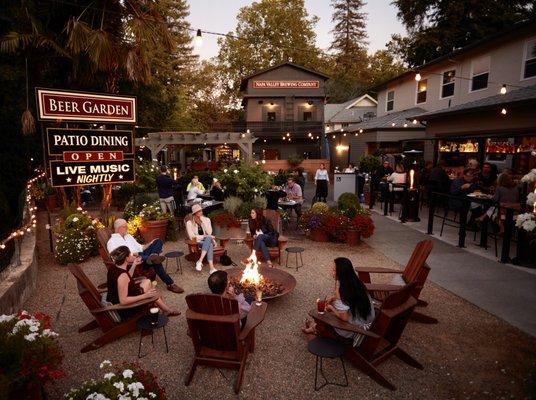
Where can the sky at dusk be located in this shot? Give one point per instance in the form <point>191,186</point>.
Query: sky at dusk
<point>220,16</point>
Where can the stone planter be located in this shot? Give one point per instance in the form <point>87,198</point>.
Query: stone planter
<point>150,230</point>
<point>319,235</point>
<point>353,238</point>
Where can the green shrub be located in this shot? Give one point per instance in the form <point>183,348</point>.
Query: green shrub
<point>75,245</point>
<point>294,160</point>
<point>281,177</point>
<point>232,204</point>
<point>348,200</point>
<point>320,207</point>
<point>146,173</point>
<point>369,163</point>
<point>136,204</point>
<point>260,202</point>
<point>246,180</point>
<point>245,210</point>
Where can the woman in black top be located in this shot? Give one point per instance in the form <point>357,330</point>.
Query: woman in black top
<point>216,191</point>
<point>263,233</point>
<point>272,197</point>
<point>122,289</point>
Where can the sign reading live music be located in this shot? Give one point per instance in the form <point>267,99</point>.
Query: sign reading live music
<point>286,84</point>
<point>60,105</point>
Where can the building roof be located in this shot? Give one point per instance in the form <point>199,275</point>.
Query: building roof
<point>515,29</point>
<point>243,84</point>
<point>398,118</point>
<point>347,111</point>
<point>522,96</point>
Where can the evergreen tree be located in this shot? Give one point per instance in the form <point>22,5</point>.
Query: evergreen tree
<point>436,27</point>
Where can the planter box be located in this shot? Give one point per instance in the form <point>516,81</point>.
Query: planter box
<point>319,235</point>
<point>353,238</point>
<point>150,230</point>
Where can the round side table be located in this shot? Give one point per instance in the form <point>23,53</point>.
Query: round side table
<point>322,348</point>
<point>177,256</point>
<point>144,325</point>
<point>296,251</point>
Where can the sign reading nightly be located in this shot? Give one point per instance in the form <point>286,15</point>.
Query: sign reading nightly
<point>79,140</point>
<point>76,106</point>
<point>286,84</point>
<point>90,173</point>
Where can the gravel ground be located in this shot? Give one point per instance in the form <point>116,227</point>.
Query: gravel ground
<point>470,354</point>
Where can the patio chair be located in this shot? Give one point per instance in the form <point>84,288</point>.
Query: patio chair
<point>105,317</point>
<point>416,271</point>
<point>194,252</point>
<point>214,326</point>
<point>275,252</point>
<point>381,341</point>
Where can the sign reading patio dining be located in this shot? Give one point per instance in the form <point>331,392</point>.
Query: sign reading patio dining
<point>90,156</point>
<point>286,84</point>
<point>59,105</point>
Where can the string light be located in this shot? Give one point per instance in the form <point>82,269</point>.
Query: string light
<point>503,111</point>
<point>417,76</point>
<point>198,41</point>
<point>393,124</point>
<point>361,131</point>
<point>414,122</point>
<point>503,89</point>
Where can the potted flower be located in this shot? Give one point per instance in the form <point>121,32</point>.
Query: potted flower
<point>154,222</point>
<point>126,382</point>
<point>361,226</point>
<point>314,220</point>
<point>76,238</point>
<point>336,225</point>
<point>30,356</point>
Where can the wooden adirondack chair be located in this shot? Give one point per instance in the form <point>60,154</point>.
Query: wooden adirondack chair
<point>416,271</point>
<point>103,235</point>
<point>275,252</point>
<point>381,341</point>
<point>103,317</point>
<point>214,326</point>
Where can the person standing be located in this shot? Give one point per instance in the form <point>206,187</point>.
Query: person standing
<point>165,184</point>
<point>321,182</point>
<point>198,227</point>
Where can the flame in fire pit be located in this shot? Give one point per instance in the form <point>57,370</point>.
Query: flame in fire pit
<point>251,272</point>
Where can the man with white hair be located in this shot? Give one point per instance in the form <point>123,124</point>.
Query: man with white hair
<point>149,253</point>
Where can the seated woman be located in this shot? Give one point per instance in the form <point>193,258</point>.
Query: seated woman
<point>199,227</point>
<point>263,233</point>
<point>216,191</point>
<point>505,193</point>
<point>350,303</point>
<point>122,289</point>
<point>195,190</point>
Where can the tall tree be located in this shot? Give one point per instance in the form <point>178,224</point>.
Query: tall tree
<point>349,46</point>
<point>435,27</point>
<point>268,32</point>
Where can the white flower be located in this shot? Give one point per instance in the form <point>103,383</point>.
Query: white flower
<point>531,198</point>
<point>127,373</point>
<point>6,318</point>
<point>152,395</point>
<point>109,375</point>
<point>75,219</point>
<point>225,171</point>
<point>96,396</point>
<point>30,337</point>
<point>144,205</point>
<point>34,328</point>
<point>135,388</point>
<point>105,363</point>
<point>49,333</point>
<point>120,386</point>
<point>235,171</point>
<point>123,397</point>
<point>529,225</point>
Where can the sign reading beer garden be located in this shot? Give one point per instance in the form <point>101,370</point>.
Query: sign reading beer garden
<point>78,157</point>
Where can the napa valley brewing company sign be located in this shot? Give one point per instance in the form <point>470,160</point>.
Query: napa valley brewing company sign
<point>78,157</point>
<point>286,84</point>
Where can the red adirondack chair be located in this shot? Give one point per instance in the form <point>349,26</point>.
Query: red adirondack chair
<point>416,271</point>
<point>214,326</point>
<point>381,341</point>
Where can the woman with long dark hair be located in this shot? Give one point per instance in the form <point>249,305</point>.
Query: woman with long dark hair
<point>263,233</point>
<point>350,303</point>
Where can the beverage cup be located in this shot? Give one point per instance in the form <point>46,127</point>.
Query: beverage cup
<point>258,297</point>
<point>153,315</point>
<point>320,306</point>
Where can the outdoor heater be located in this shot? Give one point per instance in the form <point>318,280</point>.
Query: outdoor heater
<point>410,203</point>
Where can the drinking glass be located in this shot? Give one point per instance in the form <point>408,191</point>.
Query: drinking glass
<point>321,306</point>
<point>153,315</point>
<point>258,297</point>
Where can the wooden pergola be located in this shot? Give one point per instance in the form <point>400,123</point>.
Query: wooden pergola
<point>157,141</point>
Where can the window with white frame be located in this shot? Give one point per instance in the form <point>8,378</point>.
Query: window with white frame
<point>480,73</point>
<point>529,64</point>
<point>422,87</point>
<point>447,83</point>
<point>390,100</point>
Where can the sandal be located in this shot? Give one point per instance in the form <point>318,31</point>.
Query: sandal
<point>308,328</point>
<point>173,313</point>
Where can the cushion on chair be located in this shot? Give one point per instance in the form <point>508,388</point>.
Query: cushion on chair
<point>114,315</point>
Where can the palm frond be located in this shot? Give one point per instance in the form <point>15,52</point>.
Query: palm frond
<point>78,33</point>
<point>28,122</point>
<point>14,41</point>
<point>137,67</point>
<point>101,50</point>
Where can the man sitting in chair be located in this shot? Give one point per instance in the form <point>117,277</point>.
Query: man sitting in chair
<point>294,192</point>
<point>150,253</point>
<point>218,283</point>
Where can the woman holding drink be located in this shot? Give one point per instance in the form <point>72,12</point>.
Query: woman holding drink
<point>350,303</point>
<point>123,290</point>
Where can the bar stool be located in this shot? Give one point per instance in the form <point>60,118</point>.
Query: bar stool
<point>322,348</point>
<point>295,250</point>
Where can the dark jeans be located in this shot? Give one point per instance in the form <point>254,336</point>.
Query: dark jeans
<point>262,242</point>
<point>156,248</point>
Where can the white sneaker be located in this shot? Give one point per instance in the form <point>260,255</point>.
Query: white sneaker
<point>212,270</point>
<point>198,266</point>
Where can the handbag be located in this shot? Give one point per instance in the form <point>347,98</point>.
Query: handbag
<point>226,260</point>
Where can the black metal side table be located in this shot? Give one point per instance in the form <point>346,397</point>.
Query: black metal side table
<point>177,256</point>
<point>144,325</point>
<point>295,250</point>
<point>326,348</point>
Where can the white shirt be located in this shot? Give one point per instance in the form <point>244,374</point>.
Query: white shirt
<point>116,240</point>
<point>194,192</point>
<point>322,174</point>
<point>192,229</point>
<point>397,178</point>
<point>349,170</point>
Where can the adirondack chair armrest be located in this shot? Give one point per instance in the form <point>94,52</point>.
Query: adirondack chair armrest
<point>379,270</point>
<point>117,307</point>
<point>255,317</point>
<point>330,319</point>
<point>190,314</point>
<point>382,287</point>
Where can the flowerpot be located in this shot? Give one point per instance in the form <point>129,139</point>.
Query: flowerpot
<point>319,235</point>
<point>353,238</point>
<point>150,230</point>
<point>51,202</point>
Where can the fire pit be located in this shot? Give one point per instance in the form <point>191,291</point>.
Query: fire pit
<point>272,281</point>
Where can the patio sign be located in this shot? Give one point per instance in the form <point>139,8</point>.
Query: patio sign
<point>286,84</point>
<point>59,105</point>
<point>80,157</point>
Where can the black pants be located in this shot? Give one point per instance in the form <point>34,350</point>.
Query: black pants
<point>321,190</point>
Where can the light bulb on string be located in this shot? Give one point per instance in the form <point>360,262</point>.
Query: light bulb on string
<point>503,89</point>
<point>361,131</point>
<point>417,76</point>
<point>198,41</point>
<point>503,111</point>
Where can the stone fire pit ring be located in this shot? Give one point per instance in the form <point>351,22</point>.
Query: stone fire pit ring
<point>274,274</point>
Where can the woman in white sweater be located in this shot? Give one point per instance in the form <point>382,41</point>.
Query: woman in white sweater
<point>321,182</point>
<point>199,227</point>
<point>398,178</point>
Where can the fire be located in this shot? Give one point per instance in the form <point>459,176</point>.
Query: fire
<point>534,205</point>
<point>411,174</point>
<point>251,272</point>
